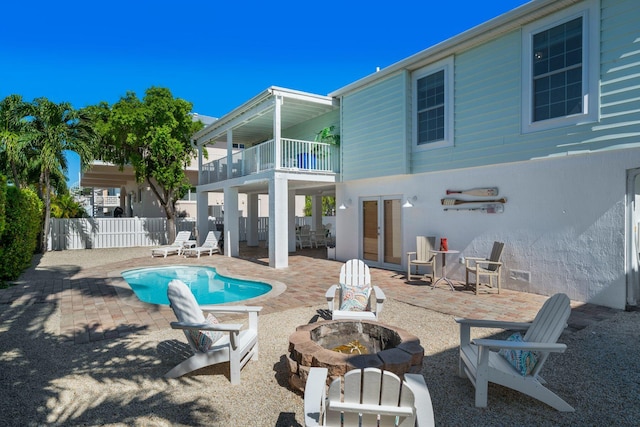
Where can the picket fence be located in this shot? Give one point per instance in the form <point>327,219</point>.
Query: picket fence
<point>95,233</point>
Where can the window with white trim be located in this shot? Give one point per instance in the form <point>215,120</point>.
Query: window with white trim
<point>433,105</point>
<point>560,69</point>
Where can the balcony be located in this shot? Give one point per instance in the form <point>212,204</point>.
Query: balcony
<point>289,155</point>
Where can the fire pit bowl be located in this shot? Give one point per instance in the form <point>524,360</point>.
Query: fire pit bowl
<point>343,345</point>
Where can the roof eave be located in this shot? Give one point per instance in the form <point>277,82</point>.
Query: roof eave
<point>477,35</point>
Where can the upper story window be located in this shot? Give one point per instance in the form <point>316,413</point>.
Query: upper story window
<point>433,105</point>
<point>560,69</point>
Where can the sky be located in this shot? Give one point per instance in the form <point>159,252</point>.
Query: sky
<point>215,54</point>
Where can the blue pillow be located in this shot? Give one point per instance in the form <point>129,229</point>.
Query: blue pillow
<point>524,361</point>
<point>355,298</point>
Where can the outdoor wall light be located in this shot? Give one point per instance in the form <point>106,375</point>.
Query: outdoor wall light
<point>410,201</point>
<point>344,205</point>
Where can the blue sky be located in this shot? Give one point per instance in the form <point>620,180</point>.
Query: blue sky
<point>215,54</point>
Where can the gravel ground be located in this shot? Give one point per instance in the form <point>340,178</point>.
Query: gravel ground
<point>46,381</point>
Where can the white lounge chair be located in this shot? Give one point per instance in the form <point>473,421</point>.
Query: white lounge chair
<point>210,245</point>
<point>480,361</point>
<point>175,248</point>
<point>371,397</point>
<point>351,298</point>
<point>212,342</point>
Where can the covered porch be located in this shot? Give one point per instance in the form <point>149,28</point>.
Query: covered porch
<point>269,146</point>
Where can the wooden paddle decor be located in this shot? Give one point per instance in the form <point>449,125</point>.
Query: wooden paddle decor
<point>452,202</point>
<point>491,209</point>
<point>480,192</point>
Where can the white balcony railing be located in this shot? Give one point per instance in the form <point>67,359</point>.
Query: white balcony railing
<point>295,155</point>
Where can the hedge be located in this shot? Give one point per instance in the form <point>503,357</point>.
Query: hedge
<point>19,240</point>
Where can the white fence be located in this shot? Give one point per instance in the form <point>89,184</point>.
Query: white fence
<point>94,233</point>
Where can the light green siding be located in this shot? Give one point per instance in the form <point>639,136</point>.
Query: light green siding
<point>488,91</point>
<point>374,122</point>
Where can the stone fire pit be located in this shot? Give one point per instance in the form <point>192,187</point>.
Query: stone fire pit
<point>361,344</point>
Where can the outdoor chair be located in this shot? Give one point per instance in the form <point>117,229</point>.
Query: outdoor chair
<point>422,257</point>
<point>489,267</point>
<point>351,298</point>
<point>370,397</point>
<point>212,342</point>
<point>517,361</point>
<point>210,245</point>
<point>175,248</point>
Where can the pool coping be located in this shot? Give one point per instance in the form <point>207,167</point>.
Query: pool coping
<point>126,294</point>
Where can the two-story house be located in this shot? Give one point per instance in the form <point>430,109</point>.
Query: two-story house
<point>542,103</point>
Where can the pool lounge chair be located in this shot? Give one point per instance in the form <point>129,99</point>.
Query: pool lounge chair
<point>175,248</point>
<point>212,342</point>
<point>210,245</point>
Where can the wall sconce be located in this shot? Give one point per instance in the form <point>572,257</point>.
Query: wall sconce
<point>344,206</point>
<point>410,201</point>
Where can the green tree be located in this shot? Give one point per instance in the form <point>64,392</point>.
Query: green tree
<point>65,206</point>
<point>51,129</point>
<point>328,205</point>
<point>153,135</point>
<point>14,159</point>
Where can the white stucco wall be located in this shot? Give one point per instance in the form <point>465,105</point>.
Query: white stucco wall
<point>564,221</point>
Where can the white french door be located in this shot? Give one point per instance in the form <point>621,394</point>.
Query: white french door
<point>381,237</point>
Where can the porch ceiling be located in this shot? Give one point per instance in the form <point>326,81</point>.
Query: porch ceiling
<point>105,175</point>
<point>252,122</point>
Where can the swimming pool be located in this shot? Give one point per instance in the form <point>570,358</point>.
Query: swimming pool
<point>150,284</point>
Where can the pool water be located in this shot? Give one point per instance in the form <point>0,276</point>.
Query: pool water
<point>150,284</point>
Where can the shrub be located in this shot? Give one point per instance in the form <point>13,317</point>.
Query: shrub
<point>18,242</point>
<point>3,199</point>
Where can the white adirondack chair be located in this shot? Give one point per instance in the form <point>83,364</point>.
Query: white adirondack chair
<point>354,274</point>
<point>371,398</point>
<point>175,248</point>
<point>480,362</point>
<point>209,245</point>
<point>236,345</point>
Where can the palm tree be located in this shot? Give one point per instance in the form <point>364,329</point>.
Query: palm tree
<point>51,130</point>
<point>12,156</point>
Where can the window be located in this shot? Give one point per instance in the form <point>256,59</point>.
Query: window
<point>561,71</point>
<point>433,101</point>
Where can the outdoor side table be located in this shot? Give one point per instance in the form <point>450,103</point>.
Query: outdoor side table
<point>444,267</point>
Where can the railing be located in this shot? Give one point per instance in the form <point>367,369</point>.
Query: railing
<point>295,155</point>
<point>107,200</point>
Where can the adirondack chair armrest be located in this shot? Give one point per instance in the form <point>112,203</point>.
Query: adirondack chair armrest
<point>496,324</point>
<point>230,308</point>
<point>487,263</point>
<point>315,396</point>
<point>467,324</point>
<point>410,254</point>
<point>380,296</point>
<point>224,327</point>
<point>469,260</point>
<point>331,295</point>
<point>424,408</point>
<point>516,345</point>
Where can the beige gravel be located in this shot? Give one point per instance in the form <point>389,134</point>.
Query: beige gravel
<point>47,381</point>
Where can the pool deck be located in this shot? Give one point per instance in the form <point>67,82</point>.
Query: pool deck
<point>95,305</point>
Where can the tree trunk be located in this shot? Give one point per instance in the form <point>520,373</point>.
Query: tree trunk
<point>46,197</point>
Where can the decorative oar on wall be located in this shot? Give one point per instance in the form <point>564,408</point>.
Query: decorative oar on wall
<point>453,202</point>
<point>483,205</point>
<point>480,192</point>
<point>491,208</point>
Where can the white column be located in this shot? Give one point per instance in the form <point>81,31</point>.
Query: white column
<point>277,131</point>
<point>292,220</point>
<point>202,215</point>
<point>316,212</point>
<point>231,222</point>
<point>252,220</point>
<point>229,156</point>
<point>278,222</point>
